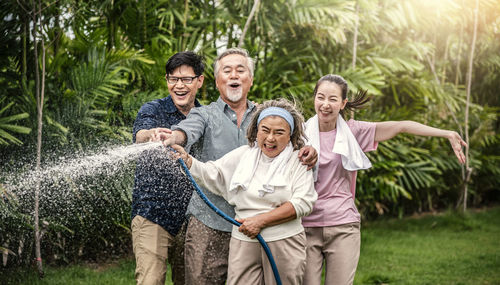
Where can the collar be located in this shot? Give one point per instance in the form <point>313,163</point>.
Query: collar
<point>223,105</point>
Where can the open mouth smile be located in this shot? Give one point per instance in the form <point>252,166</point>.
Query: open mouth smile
<point>269,147</point>
<point>181,93</point>
<point>234,85</point>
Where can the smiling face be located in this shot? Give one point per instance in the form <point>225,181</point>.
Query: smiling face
<point>233,78</point>
<point>183,94</point>
<point>273,135</point>
<point>327,104</point>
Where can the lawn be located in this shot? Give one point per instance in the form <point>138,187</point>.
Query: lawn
<point>434,249</point>
<point>447,248</point>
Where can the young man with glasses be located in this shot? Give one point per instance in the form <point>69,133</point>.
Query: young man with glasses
<point>161,193</point>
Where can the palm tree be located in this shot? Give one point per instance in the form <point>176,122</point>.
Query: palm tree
<point>8,126</point>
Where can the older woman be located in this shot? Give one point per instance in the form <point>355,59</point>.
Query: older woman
<point>333,228</point>
<point>270,189</point>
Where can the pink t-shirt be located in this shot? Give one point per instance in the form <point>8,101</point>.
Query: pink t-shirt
<point>335,185</point>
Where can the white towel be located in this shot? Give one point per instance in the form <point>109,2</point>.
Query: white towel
<point>353,157</point>
<point>248,164</point>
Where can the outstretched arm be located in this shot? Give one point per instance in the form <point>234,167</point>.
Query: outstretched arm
<point>150,135</point>
<point>387,130</point>
<point>174,137</point>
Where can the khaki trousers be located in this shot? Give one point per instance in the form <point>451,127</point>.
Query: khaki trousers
<point>151,244</point>
<point>205,253</point>
<point>248,262</point>
<point>339,247</point>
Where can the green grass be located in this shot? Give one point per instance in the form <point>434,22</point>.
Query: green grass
<point>435,249</point>
<point>440,249</point>
<point>120,272</point>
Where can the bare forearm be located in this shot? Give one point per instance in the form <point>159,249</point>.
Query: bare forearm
<point>143,136</point>
<point>171,138</point>
<point>387,130</point>
<point>153,134</point>
<point>419,129</point>
<point>180,137</point>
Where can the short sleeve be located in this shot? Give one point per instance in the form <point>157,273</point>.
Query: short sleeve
<point>364,132</point>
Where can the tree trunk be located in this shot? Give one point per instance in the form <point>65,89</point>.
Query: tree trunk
<point>436,78</point>
<point>457,77</point>
<point>445,60</point>
<point>185,34</point>
<point>355,44</point>
<point>39,102</point>
<point>204,13</point>
<point>230,36</point>
<point>144,24</point>
<point>186,13</point>
<point>459,56</point>
<point>111,25</point>
<point>57,30</point>
<point>247,24</point>
<point>355,38</point>
<point>214,25</point>
<point>468,170</point>
<point>25,38</point>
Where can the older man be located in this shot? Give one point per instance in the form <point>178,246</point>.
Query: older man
<point>220,127</point>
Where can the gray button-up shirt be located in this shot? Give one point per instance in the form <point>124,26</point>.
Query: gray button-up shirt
<point>215,126</point>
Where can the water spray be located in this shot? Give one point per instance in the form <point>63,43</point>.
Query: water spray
<point>232,221</point>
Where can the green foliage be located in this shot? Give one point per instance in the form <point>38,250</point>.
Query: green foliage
<point>7,125</point>
<point>104,59</point>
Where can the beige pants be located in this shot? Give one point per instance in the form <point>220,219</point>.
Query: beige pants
<point>248,262</point>
<point>151,244</point>
<point>205,254</point>
<point>339,247</point>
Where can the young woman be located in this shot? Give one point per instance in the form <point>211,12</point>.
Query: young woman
<point>333,228</point>
<point>270,189</point>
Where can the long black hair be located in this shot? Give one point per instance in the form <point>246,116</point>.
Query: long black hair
<point>360,98</point>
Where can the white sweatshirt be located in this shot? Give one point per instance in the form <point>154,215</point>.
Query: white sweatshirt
<point>299,191</point>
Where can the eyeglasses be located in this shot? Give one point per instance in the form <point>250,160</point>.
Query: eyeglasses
<point>185,80</point>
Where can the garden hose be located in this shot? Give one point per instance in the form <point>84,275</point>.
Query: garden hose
<point>232,221</point>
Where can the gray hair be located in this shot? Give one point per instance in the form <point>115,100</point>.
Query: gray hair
<point>296,137</point>
<point>240,51</point>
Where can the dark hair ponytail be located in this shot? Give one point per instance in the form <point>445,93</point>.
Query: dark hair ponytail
<point>359,100</point>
